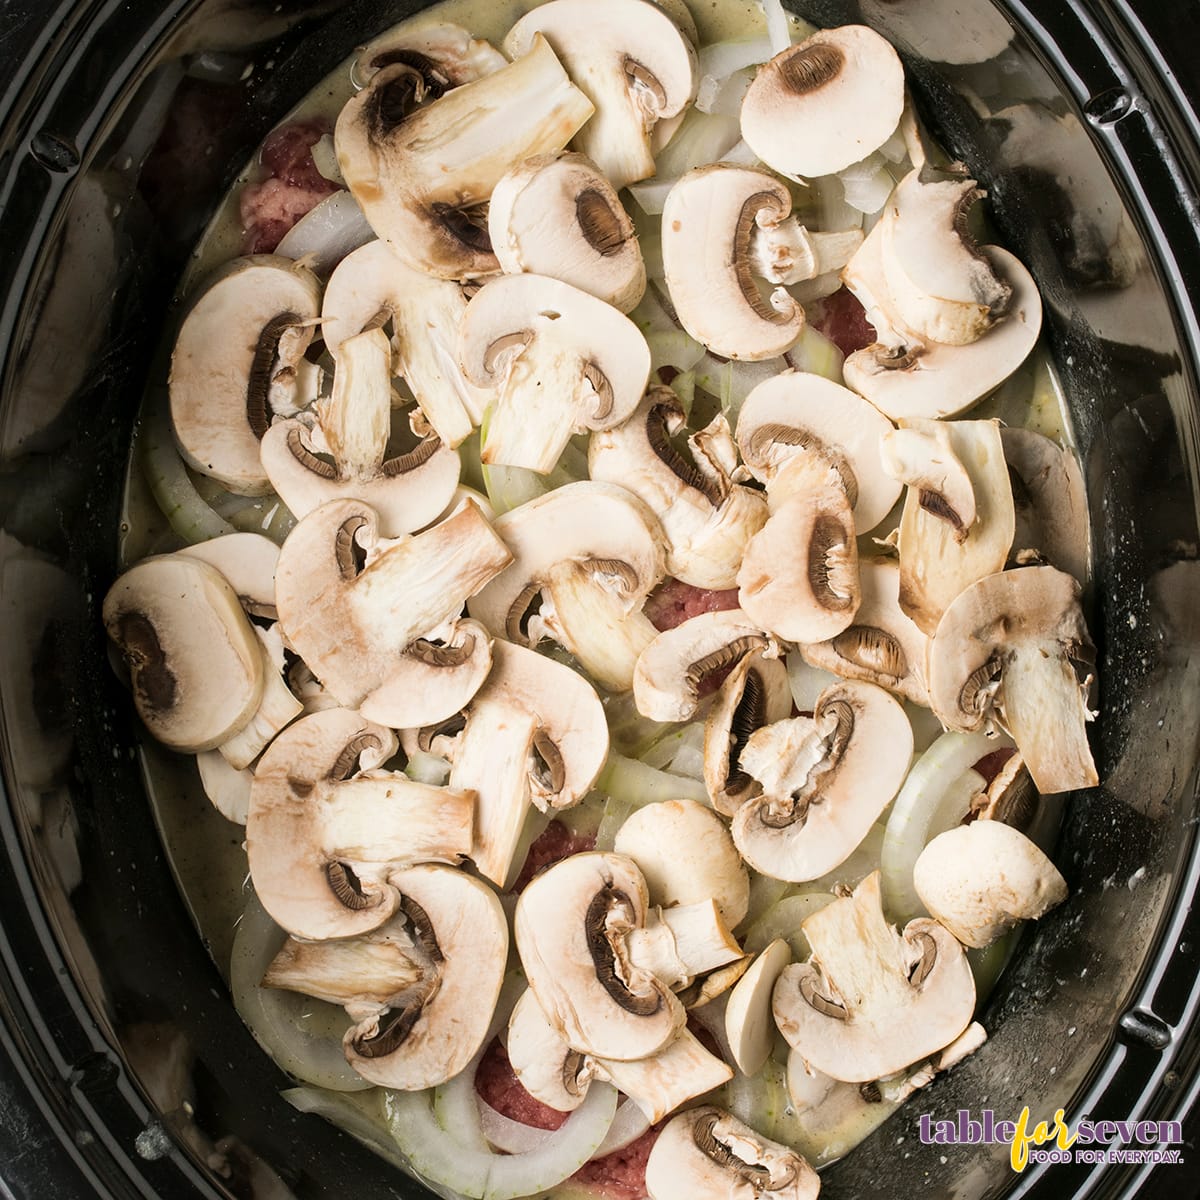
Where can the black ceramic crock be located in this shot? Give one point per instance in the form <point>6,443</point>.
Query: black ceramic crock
<point>124,1071</point>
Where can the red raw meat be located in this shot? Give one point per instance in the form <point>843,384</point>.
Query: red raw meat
<point>292,187</point>
<point>497,1084</point>
<point>553,844</point>
<point>674,602</point>
<point>622,1174</point>
<point>843,320</point>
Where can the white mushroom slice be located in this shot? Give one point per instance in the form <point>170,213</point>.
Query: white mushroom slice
<point>872,1000</point>
<point>883,646</point>
<point>633,62</point>
<point>686,855</point>
<point>825,780</point>
<point>941,286</point>
<point>195,666</point>
<point>571,926</point>
<point>662,1082</point>
<point>227,787</point>
<point>1050,501</point>
<point>708,221</point>
<point>705,1153</point>
<point>430,1036</point>
<point>322,839</point>
<point>561,361</point>
<point>941,554</point>
<point>904,377</point>
<point>547,1068</point>
<point>1005,652</point>
<point>248,562</point>
<point>593,551</point>
<point>446,55</point>
<point>707,518</point>
<point>557,215</point>
<point>755,694</point>
<point>386,636</point>
<point>787,252</point>
<point>980,879</point>
<point>674,664</point>
<point>407,491</point>
<point>235,360</point>
<point>678,943</point>
<point>921,455</point>
<point>824,103</point>
<point>418,174</point>
<point>749,1025</point>
<point>535,731</point>
<point>374,283</point>
<point>277,708</point>
<point>799,413</point>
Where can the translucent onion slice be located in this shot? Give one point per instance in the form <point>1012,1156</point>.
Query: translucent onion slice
<point>328,232</point>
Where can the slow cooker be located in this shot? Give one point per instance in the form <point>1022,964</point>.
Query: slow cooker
<point>124,1070</point>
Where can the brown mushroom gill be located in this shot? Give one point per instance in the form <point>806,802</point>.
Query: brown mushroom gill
<point>749,714</point>
<point>658,434</point>
<point>351,557</point>
<point>610,914</point>
<point>772,434</point>
<point>819,1001</point>
<point>598,223</point>
<point>142,648</point>
<point>548,768</point>
<point>263,371</point>
<point>811,67</point>
<point>873,649</point>
<point>435,80</point>
<point>398,89</point>
<point>437,654</point>
<point>755,1174</point>
<point>826,563</point>
<point>393,1029</point>
<point>725,656</point>
<point>926,961</point>
<point>747,223</point>
<point>834,722</point>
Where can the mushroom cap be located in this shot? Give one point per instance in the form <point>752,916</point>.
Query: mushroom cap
<point>980,879</point>
<point>686,855</point>
<point>708,220</point>
<point>434,1036</point>
<point>824,103</point>
<point>1005,651</point>
<point>797,412</point>
<point>557,215</point>
<point>194,662</point>
<point>706,1153</point>
<point>872,1000</point>
<point>446,55</point>
<point>239,344</point>
<point>570,926</point>
<point>248,562</point>
<point>825,781</point>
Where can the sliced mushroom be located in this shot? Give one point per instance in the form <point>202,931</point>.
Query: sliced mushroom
<point>951,538</point>
<point>824,103</point>
<point>235,361</point>
<point>825,780</point>
<point>980,879</point>
<point>662,1082</point>
<point>706,516</point>
<point>557,215</point>
<point>678,943</point>
<point>756,693</point>
<point>1010,651</point>
<point>706,1154</point>
<point>195,666</point>
<point>633,62</point>
<point>561,361</point>
<point>446,55</point>
<point>325,828</point>
<point>386,636</point>
<point>547,1068</point>
<point>1009,797</point>
<point>248,562</point>
<point>585,557</point>
<point>572,923</point>
<point>872,1000</point>
<point>708,223</point>
<point>749,1026</point>
<point>418,174</point>
<point>407,491</point>
<point>430,1036</point>
<point>277,708</point>
<point>227,787</point>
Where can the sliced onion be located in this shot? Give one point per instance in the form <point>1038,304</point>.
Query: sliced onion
<point>785,920</point>
<point>867,185</point>
<point>509,1136</point>
<point>814,353</point>
<point>721,59</point>
<point>665,752</point>
<point>806,681</point>
<point>734,381</point>
<point>637,784</point>
<point>329,232</point>
<point>628,1125</point>
<point>723,96</point>
<point>360,1115</point>
<point>702,138</point>
<point>779,30</point>
<point>427,768</point>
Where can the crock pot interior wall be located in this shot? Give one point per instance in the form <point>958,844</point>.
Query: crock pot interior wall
<point>110,194</point>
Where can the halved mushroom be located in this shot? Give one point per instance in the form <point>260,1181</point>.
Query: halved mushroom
<point>755,694</point>
<point>374,285</point>
<point>980,879</point>
<point>951,537</point>
<point>418,174</point>
<point>325,829</point>
<point>706,516</point>
<point>248,561</point>
<point>824,103</point>
<point>707,1154</point>
<point>572,924</point>
<point>633,62</point>
<point>446,55</point>
<point>708,223</point>
<point>407,491</point>
<point>672,667</point>
<point>1010,651</point>
<point>883,646</point>
<point>386,636</point>
<point>235,362</point>
<point>872,1000</point>
<point>585,557</point>
<point>825,780</point>
<point>432,1033</point>
<point>561,361</point>
<point>195,666</point>
<point>686,855</point>
<point>557,215</point>
<point>749,1026</point>
<point>796,413</point>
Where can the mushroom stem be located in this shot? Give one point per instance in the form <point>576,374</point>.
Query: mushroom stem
<point>356,418</point>
<point>787,252</point>
<point>661,1083</point>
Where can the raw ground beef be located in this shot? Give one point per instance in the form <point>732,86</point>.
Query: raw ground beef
<point>497,1083</point>
<point>674,602</point>
<point>989,765</point>
<point>621,1175</point>
<point>843,320</point>
<point>292,187</point>
<point>553,844</point>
